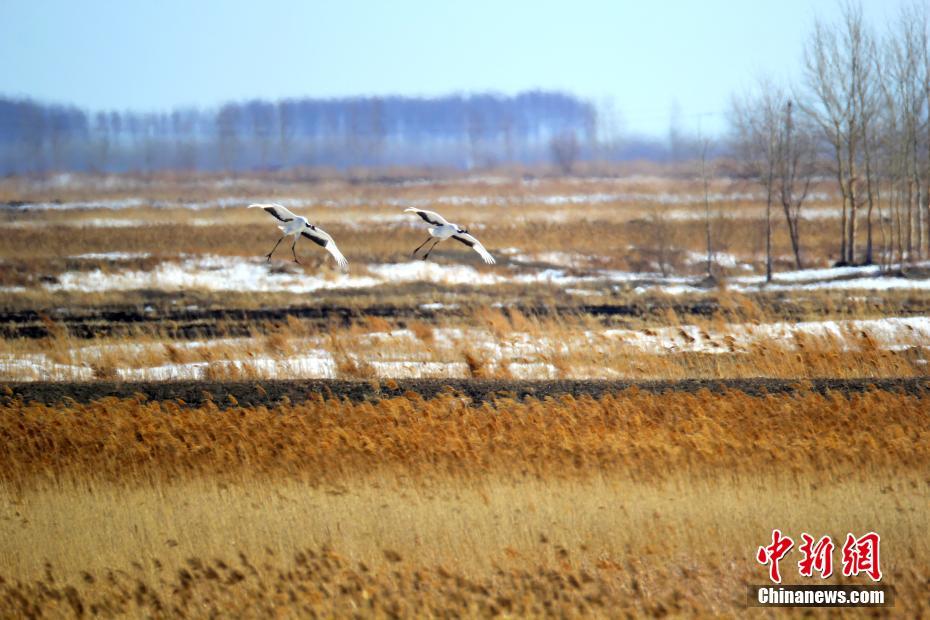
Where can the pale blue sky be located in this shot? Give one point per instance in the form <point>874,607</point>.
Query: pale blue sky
<point>641,55</point>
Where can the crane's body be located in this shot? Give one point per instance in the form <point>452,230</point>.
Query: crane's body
<point>295,226</point>
<point>442,229</point>
<point>298,226</point>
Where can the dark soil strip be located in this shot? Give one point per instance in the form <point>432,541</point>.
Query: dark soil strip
<point>186,323</point>
<point>274,392</point>
<point>210,322</point>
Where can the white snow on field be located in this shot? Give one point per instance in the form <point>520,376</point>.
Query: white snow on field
<point>433,272</point>
<point>318,365</point>
<point>214,273</point>
<point>535,370</point>
<point>413,370</point>
<point>122,203</point>
<point>131,203</point>
<point>547,200</point>
<point>79,223</point>
<point>810,275</point>
<point>477,200</point>
<point>669,289</point>
<point>724,259</point>
<point>237,274</point>
<point>892,333</point>
<point>114,256</point>
<point>245,274</point>
<point>561,259</point>
<point>584,292</point>
<point>399,353</point>
<point>37,368</point>
<point>895,333</point>
<point>868,277</point>
<point>821,214</point>
<point>749,213</point>
<point>218,273</point>
<point>871,284</point>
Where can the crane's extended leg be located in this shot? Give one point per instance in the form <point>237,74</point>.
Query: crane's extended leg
<point>268,255</point>
<point>294,251</point>
<point>431,248</point>
<point>421,245</point>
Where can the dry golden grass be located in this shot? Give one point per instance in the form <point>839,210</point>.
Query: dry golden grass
<point>634,503</point>
<point>645,435</point>
<point>601,547</point>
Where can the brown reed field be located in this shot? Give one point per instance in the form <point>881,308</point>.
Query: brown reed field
<point>634,503</point>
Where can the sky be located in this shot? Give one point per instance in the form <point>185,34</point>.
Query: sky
<point>646,61</point>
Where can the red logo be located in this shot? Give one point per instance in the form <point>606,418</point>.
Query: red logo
<point>817,557</point>
<point>772,554</point>
<point>860,555</point>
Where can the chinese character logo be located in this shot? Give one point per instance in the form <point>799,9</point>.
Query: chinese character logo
<point>772,554</point>
<point>860,555</point>
<point>817,557</point>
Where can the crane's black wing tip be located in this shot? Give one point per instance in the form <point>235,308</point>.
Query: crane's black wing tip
<point>317,240</point>
<point>273,211</point>
<point>426,217</point>
<point>464,240</point>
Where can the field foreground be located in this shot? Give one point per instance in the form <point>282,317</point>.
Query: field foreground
<point>639,502</point>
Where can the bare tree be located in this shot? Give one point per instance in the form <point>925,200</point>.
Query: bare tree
<point>675,134</point>
<point>707,227</point>
<point>377,130</point>
<point>183,123</point>
<point>662,234</point>
<point>59,136</point>
<point>35,132</point>
<point>795,158</point>
<point>147,128</point>
<point>564,148</point>
<point>261,115</point>
<point>227,134</point>
<point>475,130</point>
<point>919,16</point>
<point>101,150</point>
<point>840,68</point>
<point>755,124</point>
<point>779,152</point>
<point>287,119</point>
<point>901,137</point>
<point>591,122</point>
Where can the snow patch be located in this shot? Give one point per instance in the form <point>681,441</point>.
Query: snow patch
<point>724,259</point>
<point>215,273</point>
<point>114,256</point>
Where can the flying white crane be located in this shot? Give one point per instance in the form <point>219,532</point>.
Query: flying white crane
<point>298,226</point>
<point>442,229</point>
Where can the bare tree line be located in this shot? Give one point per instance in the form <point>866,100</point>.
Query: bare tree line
<point>860,116</point>
<point>465,131</point>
